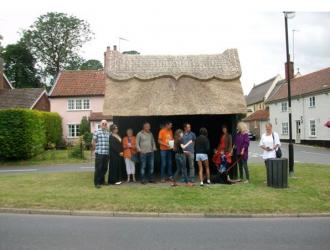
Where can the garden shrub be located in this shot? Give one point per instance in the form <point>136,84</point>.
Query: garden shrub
<point>77,150</point>
<point>85,132</point>
<point>22,133</point>
<point>53,129</point>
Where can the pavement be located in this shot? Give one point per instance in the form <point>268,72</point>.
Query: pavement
<point>303,154</point>
<point>75,232</point>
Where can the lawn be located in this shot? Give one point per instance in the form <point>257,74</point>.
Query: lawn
<point>310,192</point>
<point>49,157</point>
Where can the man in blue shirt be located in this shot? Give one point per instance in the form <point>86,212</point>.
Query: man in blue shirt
<point>101,146</point>
<point>190,149</point>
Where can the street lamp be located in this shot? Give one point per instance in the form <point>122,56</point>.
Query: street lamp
<point>289,15</point>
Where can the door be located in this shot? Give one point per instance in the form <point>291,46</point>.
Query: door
<point>298,131</point>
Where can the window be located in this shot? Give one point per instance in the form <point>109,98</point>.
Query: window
<point>71,105</point>
<point>285,128</point>
<point>312,102</point>
<point>78,104</point>
<point>312,128</point>
<point>73,130</point>
<point>86,104</point>
<point>284,106</point>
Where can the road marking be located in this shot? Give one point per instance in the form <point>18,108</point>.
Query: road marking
<point>315,153</point>
<point>17,170</point>
<point>87,167</point>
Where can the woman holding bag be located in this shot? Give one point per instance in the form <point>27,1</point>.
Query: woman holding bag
<point>129,145</point>
<point>270,143</point>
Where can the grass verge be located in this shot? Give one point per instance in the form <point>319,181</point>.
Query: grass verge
<point>308,193</point>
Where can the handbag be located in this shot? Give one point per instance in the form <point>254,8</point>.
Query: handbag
<point>278,152</point>
<point>135,158</point>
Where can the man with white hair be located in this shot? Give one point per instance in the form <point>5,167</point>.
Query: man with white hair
<point>101,146</point>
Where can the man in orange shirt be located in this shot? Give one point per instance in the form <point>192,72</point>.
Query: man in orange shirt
<point>166,142</point>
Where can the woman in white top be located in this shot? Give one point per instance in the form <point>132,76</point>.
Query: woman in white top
<point>269,142</point>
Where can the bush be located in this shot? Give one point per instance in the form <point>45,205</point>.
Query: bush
<point>53,128</point>
<point>77,151</point>
<point>22,133</point>
<point>85,132</point>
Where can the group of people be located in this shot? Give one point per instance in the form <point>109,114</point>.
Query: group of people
<point>112,152</point>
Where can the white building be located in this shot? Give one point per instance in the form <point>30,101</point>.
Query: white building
<point>310,108</point>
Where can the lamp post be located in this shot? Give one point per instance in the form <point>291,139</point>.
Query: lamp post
<point>287,15</point>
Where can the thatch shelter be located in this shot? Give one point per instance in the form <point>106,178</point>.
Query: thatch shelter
<point>204,90</point>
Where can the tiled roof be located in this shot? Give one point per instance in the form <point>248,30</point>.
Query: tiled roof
<point>259,115</point>
<point>314,82</point>
<point>79,83</point>
<point>225,66</point>
<point>98,116</point>
<point>19,98</point>
<point>258,92</point>
<point>6,82</point>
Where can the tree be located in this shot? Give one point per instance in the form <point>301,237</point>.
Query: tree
<point>20,66</point>
<point>1,48</point>
<point>75,63</point>
<point>55,40</point>
<point>131,52</point>
<point>91,64</point>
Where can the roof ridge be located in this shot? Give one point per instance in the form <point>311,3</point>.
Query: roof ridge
<point>260,84</point>
<point>311,73</point>
<point>176,55</point>
<point>224,66</point>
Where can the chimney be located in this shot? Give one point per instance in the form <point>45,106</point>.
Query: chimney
<point>2,84</point>
<point>291,71</point>
<point>106,56</point>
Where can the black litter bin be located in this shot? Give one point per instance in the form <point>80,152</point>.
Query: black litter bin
<point>277,173</point>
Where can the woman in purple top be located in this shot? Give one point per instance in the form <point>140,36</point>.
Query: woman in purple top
<point>242,150</point>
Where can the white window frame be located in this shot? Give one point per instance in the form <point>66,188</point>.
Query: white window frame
<point>310,128</point>
<point>312,102</point>
<point>75,130</point>
<point>86,102</point>
<point>287,128</point>
<point>286,104</point>
<point>73,104</point>
<point>83,101</point>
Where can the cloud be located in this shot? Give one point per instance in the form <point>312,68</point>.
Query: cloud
<point>175,27</point>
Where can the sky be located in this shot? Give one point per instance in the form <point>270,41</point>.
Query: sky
<point>255,28</point>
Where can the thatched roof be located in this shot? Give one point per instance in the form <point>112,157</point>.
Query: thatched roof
<point>173,85</point>
<point>223,66</point>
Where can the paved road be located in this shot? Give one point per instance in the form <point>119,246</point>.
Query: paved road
<point>49,169</point>
<point>61,232</point>
<point>303,154</point>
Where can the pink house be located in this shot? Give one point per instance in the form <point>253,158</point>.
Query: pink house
<point>75,94</point>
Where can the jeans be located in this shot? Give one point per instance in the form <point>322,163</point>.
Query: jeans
<point>147,161</point>
<point>166,163</point>
<point>243,164</point>
<point>180,160</point>
<point>101,166</point>
<point>190,158</point>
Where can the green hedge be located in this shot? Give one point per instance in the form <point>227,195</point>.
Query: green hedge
<point>25,133</point>
<point>22,133</point>
<point>53,128</point>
